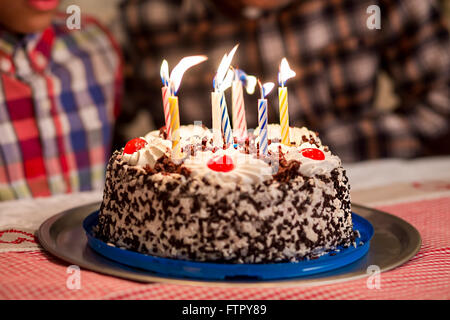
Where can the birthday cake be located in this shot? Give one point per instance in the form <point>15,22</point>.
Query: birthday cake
<point>230,204</point>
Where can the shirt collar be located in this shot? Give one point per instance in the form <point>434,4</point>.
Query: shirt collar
<point>38,47</point>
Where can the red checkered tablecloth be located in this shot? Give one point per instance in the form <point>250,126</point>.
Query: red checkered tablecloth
<point>34,274</point>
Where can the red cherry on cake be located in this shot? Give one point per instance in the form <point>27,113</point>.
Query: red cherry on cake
<point>313,153</point>
<point>134,145</point>
<point>221,164</point>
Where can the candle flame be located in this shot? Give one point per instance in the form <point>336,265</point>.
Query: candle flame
<point>221,72</point>
<point>265,88</point>
<point>285,72</point>
<point>226,83</point>
<point>164,73</point>
<point>224,67</point>
<point>247,80</point>
<point>177,73</point>
<point>241,75</point>
<point>250,84</point>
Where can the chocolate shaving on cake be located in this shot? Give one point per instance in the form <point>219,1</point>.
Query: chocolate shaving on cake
<point>287,170</point>
<point>166,166</point>
<point>163,132</point>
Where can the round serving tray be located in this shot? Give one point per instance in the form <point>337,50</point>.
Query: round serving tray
<point>394,242</point>
<point>233,271</point>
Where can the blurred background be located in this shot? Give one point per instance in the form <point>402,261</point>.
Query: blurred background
<point>107,11</point>
<point>369,92</point>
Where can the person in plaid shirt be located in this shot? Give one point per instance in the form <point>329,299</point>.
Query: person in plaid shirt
<point>327,42</point>
<point>59,98</point>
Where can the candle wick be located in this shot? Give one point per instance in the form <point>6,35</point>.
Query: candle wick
<point>261,89</point>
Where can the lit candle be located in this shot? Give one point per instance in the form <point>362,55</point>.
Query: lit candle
<point>285,73</point>
<point>238,106</point>
<point>173,86</point>
<point>225,120</point>
<point>216,126</point>
<point>164,72</point>
<point>175,126</point>
<point>262,116</point>
<point>221,82</point>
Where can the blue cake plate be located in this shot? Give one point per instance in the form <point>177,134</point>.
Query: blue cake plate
<point>222,271</point>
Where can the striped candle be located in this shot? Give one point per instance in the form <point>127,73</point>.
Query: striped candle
<point>225,120</point>
<point>284,115</point>
<point>216,126</point>
<point>262,121</point>
<point>165,97</point>
<point>238,109</point>
<point>175,126</point>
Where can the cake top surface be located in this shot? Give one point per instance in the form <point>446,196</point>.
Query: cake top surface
<point>240,162</point>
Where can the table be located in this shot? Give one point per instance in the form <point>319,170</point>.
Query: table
<point>416,190</point>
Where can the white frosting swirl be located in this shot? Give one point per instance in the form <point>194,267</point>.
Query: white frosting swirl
<point>189,134</point>
<point>148,155</point>
<point>310,167</point>
<point>247,169</point>
<point>194,134</point>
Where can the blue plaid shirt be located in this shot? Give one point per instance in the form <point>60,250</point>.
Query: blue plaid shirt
<point>59,98</point>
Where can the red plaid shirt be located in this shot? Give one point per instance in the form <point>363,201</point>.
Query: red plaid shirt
<point>59,94</point>
<point>336,56</point>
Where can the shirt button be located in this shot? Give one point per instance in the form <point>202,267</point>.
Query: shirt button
<point>5,65</point>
